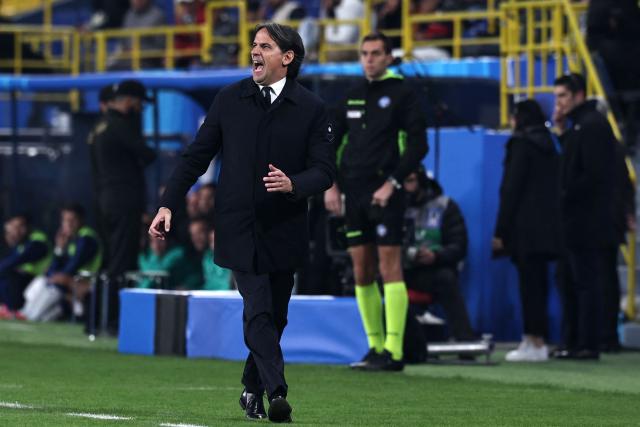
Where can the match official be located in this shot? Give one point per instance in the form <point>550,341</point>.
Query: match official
<point>381,132</point>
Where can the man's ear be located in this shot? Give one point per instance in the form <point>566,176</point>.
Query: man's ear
<point>287,58</point>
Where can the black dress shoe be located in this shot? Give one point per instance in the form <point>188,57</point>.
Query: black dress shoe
<point>367,360</point>
<point>253,405</point>
<point>586,355</point>
<point>279,409</point>
<point>578,355</point>
<point>385,362</point>
<point>611,348</point>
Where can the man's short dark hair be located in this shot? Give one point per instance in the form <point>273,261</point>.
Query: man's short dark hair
<point>379,36</point>
<point>23,216</point>
<point>574,82</point>
<point>76,208</point>
<point>287,39</point>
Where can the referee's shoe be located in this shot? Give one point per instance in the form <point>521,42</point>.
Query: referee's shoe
<point>373,361</point>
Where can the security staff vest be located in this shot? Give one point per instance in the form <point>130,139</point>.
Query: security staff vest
<point>93,265</point>
<point>36,268</point>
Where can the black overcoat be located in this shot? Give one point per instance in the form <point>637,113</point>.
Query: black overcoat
<point>529,214</point>
<point>588,180</point>
<point>256,231</point>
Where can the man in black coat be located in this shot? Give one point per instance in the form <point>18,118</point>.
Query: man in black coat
<point>277,146</point>
<point>119,156</point>
<point>587,180</point>
<point>436,247</point>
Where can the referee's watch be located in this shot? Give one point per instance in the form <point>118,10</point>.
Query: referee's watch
<point>394,182</point>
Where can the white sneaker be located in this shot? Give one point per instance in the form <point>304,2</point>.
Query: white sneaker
<point>527,352</point>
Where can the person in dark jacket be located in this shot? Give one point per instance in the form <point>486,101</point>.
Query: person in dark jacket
<point>587,182</point>
<point>29,257</point>
<point>277,145</point>
<point>624,220</point>
<point>381,131</point>
<point>528,224</point>
<point>119,156</point>
<point>435,249</point>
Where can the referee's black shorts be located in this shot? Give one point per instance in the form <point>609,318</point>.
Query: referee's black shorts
<point>372,224</point>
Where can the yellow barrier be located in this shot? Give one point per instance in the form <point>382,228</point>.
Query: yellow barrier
<point>128,47</point>
<point>56,46</point>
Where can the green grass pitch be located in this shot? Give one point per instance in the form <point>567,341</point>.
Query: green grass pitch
<point>51,375</point>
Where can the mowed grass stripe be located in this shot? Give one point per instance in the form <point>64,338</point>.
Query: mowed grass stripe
<point>156,390</point>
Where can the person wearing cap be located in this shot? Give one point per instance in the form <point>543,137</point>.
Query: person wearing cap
<point>119,155</point>
<point>277,145</point>
<point>105,96</point>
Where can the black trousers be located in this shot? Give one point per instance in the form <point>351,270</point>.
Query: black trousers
<point>122,240</point>
<point>12,288</point>
<point>611,299</point>
<point>442,283</point>
<point>533,274</point>
<point>266,303</point>
<point>583,272</point>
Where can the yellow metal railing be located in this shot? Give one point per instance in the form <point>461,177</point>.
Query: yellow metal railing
<point>122,48</point>
<point>457,19</point>
<point>56,47</point>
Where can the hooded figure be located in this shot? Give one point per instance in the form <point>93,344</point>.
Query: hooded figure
<point>528,226</point>
<point>528,217</point>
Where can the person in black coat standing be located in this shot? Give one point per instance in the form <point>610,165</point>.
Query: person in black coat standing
<point>587,187</point>
<point>528,224</point>
<point>278,150</point>
<point>119,156</point>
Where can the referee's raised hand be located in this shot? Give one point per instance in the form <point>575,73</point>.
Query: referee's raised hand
<point>161,224</point>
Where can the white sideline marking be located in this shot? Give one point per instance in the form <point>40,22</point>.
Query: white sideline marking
<point>15,405</point>
<point>98,416</point>
<point>180,425</point>
<point>200,388</point>
<point>11,386</point>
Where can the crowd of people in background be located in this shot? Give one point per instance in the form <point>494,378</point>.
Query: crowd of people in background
<point>140,14</point>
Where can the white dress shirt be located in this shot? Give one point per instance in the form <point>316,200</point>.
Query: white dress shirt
<point>276,88</point>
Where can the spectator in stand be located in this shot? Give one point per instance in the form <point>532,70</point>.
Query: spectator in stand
<point>141,14</point>
<point>336,35</point>
<point>29,257</point>
<point>77,248</point>
<point>187,45</point>
<point>286,10</point>
<point>160,256</point>
<point>528,225</point>
<point>199,229</point>
<point>107,14</point>
<point>206,200</point>
<point>435,249</point>
<point>193,202</point>
<point>216,278</point>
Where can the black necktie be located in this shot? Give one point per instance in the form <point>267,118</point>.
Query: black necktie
<point>266,96</point>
